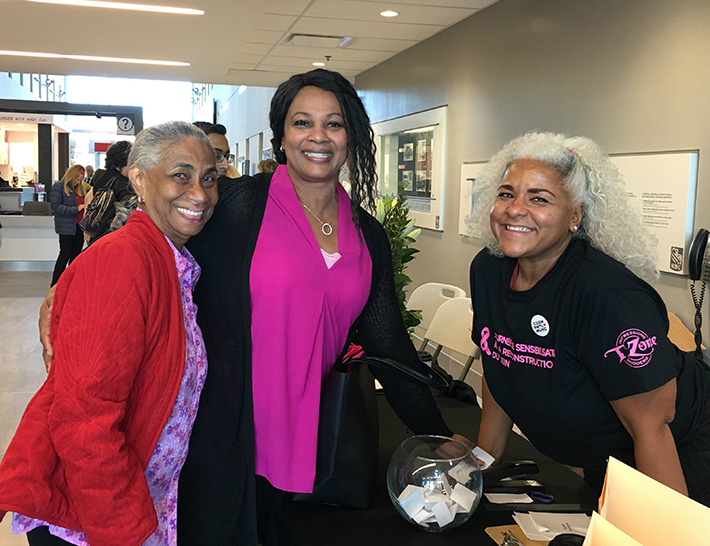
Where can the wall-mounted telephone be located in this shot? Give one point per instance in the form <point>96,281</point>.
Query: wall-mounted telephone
<point>699,270</point>
<point>699,257</point>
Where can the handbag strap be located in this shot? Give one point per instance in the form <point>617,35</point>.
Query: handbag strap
<point>436,378</point>
<point>433,379</point>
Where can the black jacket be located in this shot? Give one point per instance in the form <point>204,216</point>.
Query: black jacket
<point>216,497</point>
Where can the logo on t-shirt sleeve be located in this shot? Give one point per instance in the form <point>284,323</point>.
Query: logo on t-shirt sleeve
<point>633,347</point>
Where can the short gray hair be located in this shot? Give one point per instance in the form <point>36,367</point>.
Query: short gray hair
<point>609,222</point>
<point>151,142</point>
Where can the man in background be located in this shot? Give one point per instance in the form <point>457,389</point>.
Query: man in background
<point>216,133</point>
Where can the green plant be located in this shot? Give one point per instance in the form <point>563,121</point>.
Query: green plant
<point>392,214</point>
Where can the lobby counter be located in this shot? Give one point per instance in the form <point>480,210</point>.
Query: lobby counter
<point>28,239</point>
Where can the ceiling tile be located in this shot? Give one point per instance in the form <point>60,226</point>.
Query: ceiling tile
<point>355,10</point>
<point>341,27</point>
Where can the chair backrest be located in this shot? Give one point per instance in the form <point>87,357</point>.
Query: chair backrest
<point>451,326</point>
<point>429,296</point>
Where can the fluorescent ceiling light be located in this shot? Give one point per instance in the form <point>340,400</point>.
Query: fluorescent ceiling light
<point>318,63</point>
<point>90,58</point>
<point>389,13</point>
<point>122,5</point>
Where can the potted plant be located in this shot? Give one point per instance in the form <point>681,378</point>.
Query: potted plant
<point>392,214</point>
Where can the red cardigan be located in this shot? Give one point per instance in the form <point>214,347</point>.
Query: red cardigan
<point>79,454</point>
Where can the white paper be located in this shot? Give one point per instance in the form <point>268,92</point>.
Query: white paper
<point>484,457</point>
<point>442,513</point>
<point>464,496</point>
<point>411,500</point>
<point>508,498</point>
<point>547,525</point>
<point>462,472</point>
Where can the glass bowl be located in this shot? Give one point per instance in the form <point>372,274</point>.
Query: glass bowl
<point>434,482</point>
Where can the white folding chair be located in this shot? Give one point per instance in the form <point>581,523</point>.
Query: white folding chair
<point>428,298</point>
<point>451,327</point>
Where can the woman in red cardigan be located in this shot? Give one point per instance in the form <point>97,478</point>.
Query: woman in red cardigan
<point>97,456</point>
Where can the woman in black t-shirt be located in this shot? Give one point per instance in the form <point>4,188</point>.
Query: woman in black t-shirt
<point>574,340</point>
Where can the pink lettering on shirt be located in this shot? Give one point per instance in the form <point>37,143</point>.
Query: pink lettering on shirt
<point>634,347</point>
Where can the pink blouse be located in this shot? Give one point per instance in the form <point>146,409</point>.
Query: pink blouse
<point>302,311</point>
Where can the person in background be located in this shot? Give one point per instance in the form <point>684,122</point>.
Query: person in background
<point>217,132</point>
<point>291,264</point>
<point>97,455</point>
<point>89,175</point>
<point>574,339</point>
<point>116,164</point>
<point>67,200</point>
<point>267,166</point>
<point>98,173</point>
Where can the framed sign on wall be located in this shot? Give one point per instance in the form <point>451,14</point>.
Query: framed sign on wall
<point>410,162</point>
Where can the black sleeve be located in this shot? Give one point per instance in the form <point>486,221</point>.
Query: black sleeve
<point>624,344</point>
<point>381,332</point>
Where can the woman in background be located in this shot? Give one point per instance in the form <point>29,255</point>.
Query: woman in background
<point>574,340</point>
<point>96,458</point>
<point>67,199</point>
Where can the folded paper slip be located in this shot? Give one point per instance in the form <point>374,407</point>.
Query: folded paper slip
<point>546,525</point>
<point>648,511</point>
<point>603,533</point>
<point>496,533</point>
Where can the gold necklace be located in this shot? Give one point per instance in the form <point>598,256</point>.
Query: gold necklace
<point>325,227</point>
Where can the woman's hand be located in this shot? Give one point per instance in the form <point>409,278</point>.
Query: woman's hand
<point>45,317</point>
<point>81,207</point>
<point>646,417</point>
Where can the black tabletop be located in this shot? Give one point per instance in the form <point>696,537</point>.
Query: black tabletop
<point>382,525</point>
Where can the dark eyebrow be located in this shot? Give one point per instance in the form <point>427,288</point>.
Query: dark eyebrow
<point>309,115</point>
<point>534,191</point>
<point>541,190</point>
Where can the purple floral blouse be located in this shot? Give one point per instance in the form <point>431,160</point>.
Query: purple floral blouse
<point>170,452</point>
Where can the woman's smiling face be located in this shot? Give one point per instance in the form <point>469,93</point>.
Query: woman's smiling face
<point>180,191</point>
<point>315,140</point>
<point>533,217</point>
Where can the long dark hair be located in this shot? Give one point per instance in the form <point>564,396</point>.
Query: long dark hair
<point>361,138</point>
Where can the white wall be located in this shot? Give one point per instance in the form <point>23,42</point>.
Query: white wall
<point>244,115</point>
<point>633,75</point>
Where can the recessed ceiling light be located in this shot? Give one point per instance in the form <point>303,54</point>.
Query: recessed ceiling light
<point>389,13</point>
<point>90,58</point>
<point>318,63</point>
<point>122,5</point>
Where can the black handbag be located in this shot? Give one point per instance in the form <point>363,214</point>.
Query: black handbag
<point>100,211</point>
<point>346,463</point>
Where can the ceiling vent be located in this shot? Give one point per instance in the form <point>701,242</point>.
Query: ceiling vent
<point>316,40</point>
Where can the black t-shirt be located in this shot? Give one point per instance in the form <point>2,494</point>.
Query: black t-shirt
<point>587,333</point>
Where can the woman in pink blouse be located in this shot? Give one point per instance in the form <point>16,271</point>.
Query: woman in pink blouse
<point>291,266</point>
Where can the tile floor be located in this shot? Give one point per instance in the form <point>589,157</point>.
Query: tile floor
<point>21,367</point>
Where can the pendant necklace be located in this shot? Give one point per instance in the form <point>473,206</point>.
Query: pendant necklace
<point>325,227</point>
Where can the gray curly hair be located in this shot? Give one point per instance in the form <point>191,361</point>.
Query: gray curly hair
<point>609,222</point>
<point>151,142</point>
